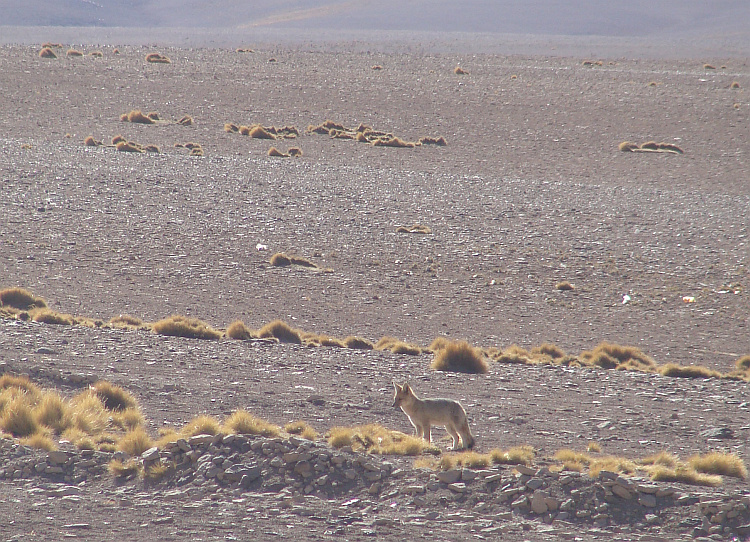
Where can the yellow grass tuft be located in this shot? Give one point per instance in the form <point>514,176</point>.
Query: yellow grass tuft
<point>281,331</point>
<point>238,331</point>
<point>709,67</point>
<point>397,346</point>
<point>120,469</point>
<point>472,460</point>
<point>518,455</point>
<point>394,141</point>
<point>273,151</point>
<point>155,472</point>
<point>52,412</point>
<point>126,321</point>
<point>719,463</point>
<point>201,425</point>
<point>186,120</point>
<point>116,139</point>
<point>564,286</point>
<point>20,299</point>
<point>627,146</point>
<point>685,475</point>
<point>40,442</point>
<point>47,52</point>
<point>376,439</point>
<point>167,436</point>
<point>548,350</point>
<point>181,326</point>
<point>73,52</point>
<point>197,151</point>
<point>662,459</point>
<point>339,437</point>
<point>734,85</point>
<point>743,363</point>
<point>260,132</point>
<point>137,116</point>
<point>460,71</point>
<point>242,422</point>
<point>302,429</point>
<point>17,418</point>
<point>114,397</point>
<point>46,316</point>
<point>135,442</point>
<point>376,67</point>
<point>231,128</point>
<point>416,228</point>
<point>688,371</point>
<point>129,146</point>
<point>515,354</point>
<point>440,141</point>
<point>96,54</point>
<point>610,356</point>
<point>88,414</point>
<point>91,142</point>
<point>243,50</point>
<point>358,343</point>
<point>294,152</point>
<point>157,58</point>
<point>127,419</point>
<point>593,447</point>
<point>280,260</point>
<point>460,357</point>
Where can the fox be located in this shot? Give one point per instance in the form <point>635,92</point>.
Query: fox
<point>423,413</point>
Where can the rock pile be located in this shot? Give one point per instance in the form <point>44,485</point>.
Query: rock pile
<point>298,470</point>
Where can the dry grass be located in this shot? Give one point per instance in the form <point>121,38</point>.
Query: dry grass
<point>181,326</point>
<point>294,152</point>
<point>416,228</point>
<point>138,117</point>
<point>116,139</point>
<point>17,418</point>
<point>395,142</point>
<point>734,85</point>
<point>20,299</point>
<point>243,50</point>
<point>40,442</point>
<point>273,151</point>
<point>126,321</point>
<point>96,54</point>
<point>201,425</point>
<point>197,151</point>
<point>614,356</point>
<point>47,52</point>
<point>302,429</point>
<point>515,354</point>
<point>135,442</point>
<point>260,132</point>
<point>231,128</point>
<point>709,67</point>
<point>73,52</point>
<point>685,475</point>
<point>564,286</point>
<point>157,58</point>
<point>688,371</point>
<point>358,343</point>
<point>238,331</point>
<point>53,412</point>
<point>376,439</point>
<point>376,67</point>
<point>472,460</point>
<point>719,463</point>
<point>91,142</point>
<point>518,455</point>
<point>155,472</point>
<point>120,469</point>
<point>130,146</point>
<point>460,71</point>
<point>280,330</point>
<point>548,350</point>
<point>114,397</point>
<point>281,259</point>
<point>459,357</point>
<point>440,141</point>
<point>46,316</point>
<point>627,146</point>
<point>186,120</point>
<point>397,346</point>
<point>242,422</point>
<point>88,414</point>
<point>743,363</point>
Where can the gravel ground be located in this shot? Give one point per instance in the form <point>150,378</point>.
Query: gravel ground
<point>530,190</point>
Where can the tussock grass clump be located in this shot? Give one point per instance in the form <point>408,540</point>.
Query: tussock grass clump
<point>397,346</point>
<point>47,52</point>
<point>376,67</point>
<point>126,321</point>
<point>572,460</point>
<point>564,286</point>
<point>416,228</point>
<point>743,363</point>
<point>555,353</point>
<point>96,54</point>
<point>314,339</point>
<point>734,85</point>
<point>17,418</point>
<point>460,357</point>
<point>88,414</point>
<point>126,469</point>
<point>260,132</point>
<point>688,371</point>
<point>52,45</point>
<point>73,52</point>
<point>472,460</point>
<point>627,146</point>
<point>135,442</point>
<point>458,70</point>
<point>614,356</point>
<point>358,343</point>
<point>231,128</point>
<point>243,50</point>
<point>181,326</point>
<point>39,441</point>
<point>53,412</point>
<point>294,152</point>
<point>197,151</point>
<point>186,120</point>
<point>138,117</point>
<point>719,463</point>
<point>395,142</point>
<point>46,316</point>
<point>20,299</point>
<point>280,260</point>
<point>114,397</point>
<point>440,141</point>
<point>376,439</point>
<point>238,331</point>
<point>273,151</point>
<point>663,459</point>
<point>153,115</point>
<point>685,475</point>
<point>518,455</point>
<point>280,330</point>
<point>155,472</point>
<point>709,67</point>
<point>302,429</point>
<point>201,425</point>
<point>242,422</point>
<point>514,354</point>
<point>130,146</point>
<point>158,58</point>
<point>117,139</point>
<point>91,142</point>
<point>152,148</point>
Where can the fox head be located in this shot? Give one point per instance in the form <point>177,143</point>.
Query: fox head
<point>402,393</point>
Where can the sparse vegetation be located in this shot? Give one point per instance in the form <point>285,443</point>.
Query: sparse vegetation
<point>135,442</point>
<point>688,371</point>
<point>74,52</point>
<point>20,299</point>
<point>273,151</point>
<point>120,469</point>
<point>614,356</point>
<point>181,326</point>
<point>376,439</point>
<point>719,463</point>
<point>440,141</point>
<point>130,146</point>
<point>47,52</point>
<point>158,58</point>
<point>518,455</point>
<point>114,397</point>
<point>416,228</point>
<point>460,71</point>
<point>242,422</point>
<point>564,286</point>
<point>126,321</point>
<point>397,346</point>
<point>201,425</point>
<point>459,357</point>
<point>46,316</point>
<point>280,330</point>
<point>238,331</point>
<point>302,429</point>
<point>358,343</point>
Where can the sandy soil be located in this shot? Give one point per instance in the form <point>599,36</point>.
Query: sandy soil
<point>531,190</point>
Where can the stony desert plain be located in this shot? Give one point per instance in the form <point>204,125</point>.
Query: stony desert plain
<point>531,191</point>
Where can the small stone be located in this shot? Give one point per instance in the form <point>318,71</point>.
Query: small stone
<point>45,351</point>
<point>647,500</point>
<point>538,504</point>
<point>523,469</point>
<point>457,487</point>
<point>622,492</point>
<point>58,457</point>
<point>493,478</point>
<point>152,454</point>
<point>535,483</point>
<point>449,476</point>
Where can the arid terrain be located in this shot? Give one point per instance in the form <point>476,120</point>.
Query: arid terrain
<point>531,190</point>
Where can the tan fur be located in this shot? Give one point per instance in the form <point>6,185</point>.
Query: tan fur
<point>424,413</point>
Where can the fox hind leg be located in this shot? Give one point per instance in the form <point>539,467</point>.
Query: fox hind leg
<point>454,434</point>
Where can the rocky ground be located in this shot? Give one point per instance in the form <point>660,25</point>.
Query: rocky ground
<point>530,190</point>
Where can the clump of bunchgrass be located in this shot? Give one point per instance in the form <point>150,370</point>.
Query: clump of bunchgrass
<point>40,441</point>
<point>458,70</point>
<point>397,346</point>
<point>416,228</point>
<point>518,455</point>
<point>376,439</point>
<point>114,397</point>
<point>564,286</point>
<point>302,429</point>
<point>440,141</point>
<point>242,422</point>
<point>73,52</point>
<point>614,356</point>
<point>135,442</point>
<point>157,58</point>
<point>126,321</point>
<point>685,475</point>
<point>719,463</point>
<point>53,412</point>
<point>460,357</point>
<point>124,469</point>
<point>17,418</point>
<point>46,316</point>
<point>238,331</point>
<point>358,343</point>
<point>688,371</point>
<point>280,330</point>
<point>47,52</point>
<point>181,326</point>
<point>515,354</point>
<point>21,299</point>
<point>201,425</point>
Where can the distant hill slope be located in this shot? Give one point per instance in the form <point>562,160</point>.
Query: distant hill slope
<point>638,18</point>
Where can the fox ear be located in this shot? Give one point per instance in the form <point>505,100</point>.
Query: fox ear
<point>398,388</point>
<point>406,387</point>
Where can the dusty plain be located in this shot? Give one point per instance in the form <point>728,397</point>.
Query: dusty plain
<point>531,190</point>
